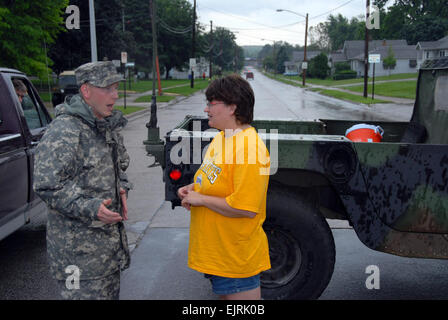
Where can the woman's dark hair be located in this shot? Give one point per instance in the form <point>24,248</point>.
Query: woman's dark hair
<point>233,89</point>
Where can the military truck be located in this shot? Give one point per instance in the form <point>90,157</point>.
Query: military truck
<point>65,88</point>
<point>393,193</point>
<point>22,125</point>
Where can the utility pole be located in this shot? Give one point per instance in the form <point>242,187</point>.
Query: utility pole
<point>366,52</point>
<point>153,119</point>
<point>94,54</point>
<point>304,52</point>
<point>211,50</point>
<point>193,42</point>
<point>122,17</point>
<point>153,143</point>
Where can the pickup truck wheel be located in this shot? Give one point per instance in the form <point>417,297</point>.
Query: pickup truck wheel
<point>301,248</point>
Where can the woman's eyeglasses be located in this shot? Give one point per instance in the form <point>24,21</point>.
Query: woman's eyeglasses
<point>210,104</point>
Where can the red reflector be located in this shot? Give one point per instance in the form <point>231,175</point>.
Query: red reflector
<point>175,174</point>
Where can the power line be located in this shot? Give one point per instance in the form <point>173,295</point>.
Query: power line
<point>251,21</point>
<point>274,27</point>
<point>332,10</point>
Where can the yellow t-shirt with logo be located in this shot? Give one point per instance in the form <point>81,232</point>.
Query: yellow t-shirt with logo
<point>237,169</point>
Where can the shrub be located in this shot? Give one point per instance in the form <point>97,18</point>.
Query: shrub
<point>341,66</point>
<point>345,74</point>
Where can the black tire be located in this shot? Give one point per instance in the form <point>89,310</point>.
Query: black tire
<point>301,248</point>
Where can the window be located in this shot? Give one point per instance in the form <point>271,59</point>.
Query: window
<point>441,104</point>
<point>32,109</point>
<point>442,53</point>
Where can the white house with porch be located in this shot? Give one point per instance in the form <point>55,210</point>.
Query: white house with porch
<point>428,50</point>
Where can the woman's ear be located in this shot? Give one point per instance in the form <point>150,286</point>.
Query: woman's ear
<point>232,108</point>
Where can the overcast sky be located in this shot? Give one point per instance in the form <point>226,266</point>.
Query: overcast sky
<point>254,20</point>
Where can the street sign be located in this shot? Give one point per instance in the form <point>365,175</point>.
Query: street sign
<point>374,58</point>
<point>304,65</point>
<point>130,65</point>
<point>192,63</point>
<point>124,57</point>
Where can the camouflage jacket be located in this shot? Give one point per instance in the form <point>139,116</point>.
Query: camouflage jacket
<point>80,162</point>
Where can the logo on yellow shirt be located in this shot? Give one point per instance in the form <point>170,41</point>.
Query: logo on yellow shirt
<point>211,170</point>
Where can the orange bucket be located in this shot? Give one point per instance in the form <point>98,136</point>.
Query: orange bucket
<point>365,133</point>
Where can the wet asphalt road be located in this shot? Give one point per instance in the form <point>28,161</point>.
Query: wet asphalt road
<point>159,271</point>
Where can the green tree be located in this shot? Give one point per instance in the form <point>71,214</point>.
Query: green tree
<point>414,9</point>
<point>426,28</point>
<point>26,29</point>
<point>282,57</point>
<point>318,67</point>
<point>338,29</point>
<point>268,63</point>
<point>224,51</point>
<point>112,21</point>
<point>175,33</point>
<point>414,20</point>
<point>390,62</point>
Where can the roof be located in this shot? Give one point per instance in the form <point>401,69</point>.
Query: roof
<point>400,53</point>
<point>441,63</point>
<point>337,57</point>
<point>298,55</point>
<point>68,73</point>
<point>353,48</point>
<point>434,45</point>
<point>11,70</point>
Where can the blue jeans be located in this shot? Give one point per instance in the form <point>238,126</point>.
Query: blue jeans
<point>225,286</point>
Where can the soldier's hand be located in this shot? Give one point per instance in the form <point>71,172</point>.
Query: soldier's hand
<point>124,203</point>
<point>107,216</point>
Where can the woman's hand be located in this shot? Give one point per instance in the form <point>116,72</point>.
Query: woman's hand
<point>182,192</point>
<point>192,199</point>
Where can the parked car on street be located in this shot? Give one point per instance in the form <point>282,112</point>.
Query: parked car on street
<point>22,125</point>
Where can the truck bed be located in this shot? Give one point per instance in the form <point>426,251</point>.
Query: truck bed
<point>295,130</point>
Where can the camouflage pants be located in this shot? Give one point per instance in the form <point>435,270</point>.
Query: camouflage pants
<point>107,288</point>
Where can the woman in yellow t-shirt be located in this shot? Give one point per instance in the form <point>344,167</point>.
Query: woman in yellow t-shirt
<point>227,198</point>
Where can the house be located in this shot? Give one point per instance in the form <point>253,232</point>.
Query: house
<point>353,53</point>
<point>428,50</point>
<point>202,66</point>
<point>294,67</point>
<point>405,56</point>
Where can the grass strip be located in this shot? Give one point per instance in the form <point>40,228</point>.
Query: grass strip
<point>350,97</point>
<point>402,89</point>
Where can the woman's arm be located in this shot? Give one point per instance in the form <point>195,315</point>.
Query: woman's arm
<point>216,204</point>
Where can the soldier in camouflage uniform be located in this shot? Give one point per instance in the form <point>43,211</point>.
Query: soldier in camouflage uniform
<point>79,173</point>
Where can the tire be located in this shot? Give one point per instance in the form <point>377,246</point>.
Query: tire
<point>301,248</point>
